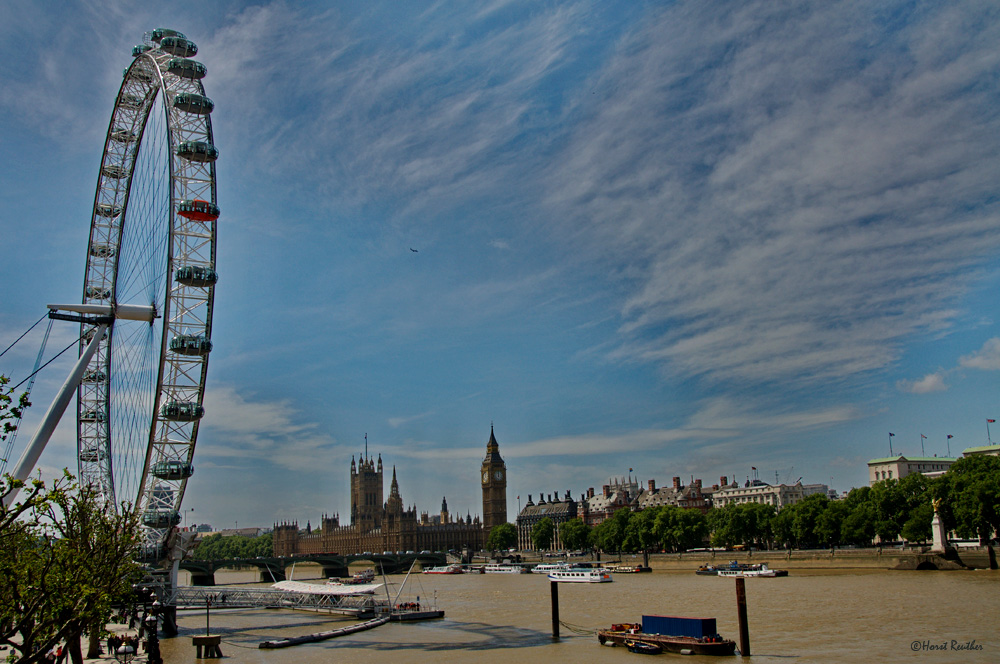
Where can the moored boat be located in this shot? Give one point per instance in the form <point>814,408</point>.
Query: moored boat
<point>548,568</point>
<point>454,568</point>
<point>695,636</point>
<point>504,569</point>
<point>760,570</point>
<point>574,575</point>
<point>642,647</point>
<point>628,569</point>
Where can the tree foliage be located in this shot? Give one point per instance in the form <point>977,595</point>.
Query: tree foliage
<point>541,534</point>
<point>218,547</point>
<point>575,534</point>
<point>64,560</point>
<point>502,536</point>
<point>970,493</point>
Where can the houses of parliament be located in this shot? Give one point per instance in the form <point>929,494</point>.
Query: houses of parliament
<point>378,525</point>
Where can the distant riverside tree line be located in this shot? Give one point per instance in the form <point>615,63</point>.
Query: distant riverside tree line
<point>218,547</point>
<point>969,494</point>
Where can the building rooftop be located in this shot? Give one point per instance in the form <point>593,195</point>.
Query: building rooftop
<point>921,459</point>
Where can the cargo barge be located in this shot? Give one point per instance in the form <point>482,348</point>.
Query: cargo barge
<point>688,636</point>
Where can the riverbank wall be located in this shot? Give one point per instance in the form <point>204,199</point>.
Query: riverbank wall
<point>889,558</point>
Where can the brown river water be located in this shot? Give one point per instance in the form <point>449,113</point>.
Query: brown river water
<point>810,616</point>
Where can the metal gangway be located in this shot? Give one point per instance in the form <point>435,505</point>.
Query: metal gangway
<point>229,597</point>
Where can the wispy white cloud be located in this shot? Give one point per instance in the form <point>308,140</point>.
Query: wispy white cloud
<point>932,382</point>
<point>818,195</point>
<point>986,358</point>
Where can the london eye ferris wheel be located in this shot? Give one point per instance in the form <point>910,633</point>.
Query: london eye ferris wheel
<point>150,281</point>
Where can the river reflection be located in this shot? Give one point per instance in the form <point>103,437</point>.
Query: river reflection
<point>810,616</point>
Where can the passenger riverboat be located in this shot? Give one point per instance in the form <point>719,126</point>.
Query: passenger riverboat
<point>504,569</point>
<point>628,569</point>
<point>548,568</point>
<point>737,569</point>
<point>573,575</point>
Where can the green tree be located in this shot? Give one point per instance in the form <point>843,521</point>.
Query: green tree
<point>640,533</point>
<point>64,560</point>
<point>678,529</point>
<point>609,535</point>
<point>806,518</point>
<point>575,534</point>
<point>219,547</point>
<point>830,523</point>
<point>858,525</point>
<point>541,534</point>
<point>970,493</point>
<point>502,536</point>
<point>918,527</point>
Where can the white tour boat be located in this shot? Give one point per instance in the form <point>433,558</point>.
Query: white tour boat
<point>504,569</point>
<point>548,568</point>
<point>576,575</point>
<point>753,571</point>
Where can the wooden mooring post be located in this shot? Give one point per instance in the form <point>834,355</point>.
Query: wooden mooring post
<point>554,585</point>
<point>741,614</point>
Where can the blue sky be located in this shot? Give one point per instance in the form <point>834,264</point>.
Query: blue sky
<point>686,238</point>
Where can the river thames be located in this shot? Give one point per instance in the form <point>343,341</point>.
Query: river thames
<point>810,616</point>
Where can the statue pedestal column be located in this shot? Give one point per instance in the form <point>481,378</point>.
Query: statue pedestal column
<point>940,541</point>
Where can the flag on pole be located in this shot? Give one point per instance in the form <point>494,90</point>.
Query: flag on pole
<point>891,434</point>
<point>950,436</point>
<point>922,436</point>
<point>991,421</point>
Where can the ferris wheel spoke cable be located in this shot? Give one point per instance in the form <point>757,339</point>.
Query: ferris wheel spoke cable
<point>44,316</point>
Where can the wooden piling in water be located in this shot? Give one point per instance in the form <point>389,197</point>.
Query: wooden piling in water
<point>555,609</point>
<point>741,613</point>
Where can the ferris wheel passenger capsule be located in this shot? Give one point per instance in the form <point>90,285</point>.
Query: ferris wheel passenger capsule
<point>98,293</point>
<point>199,151</point>
<point>139,49</point>
<point>196,275</point>
<point>172,470</point>
<point>121,135</point>
<point>161,518</point>
<point>159,33</point>
<point>102,251</point>
<point>190,344</point>
<point>185,68</point>
<point>182,411</point>
<point>133,101</point>
<point>190,102</point>
<point>90,455</point>
<point>177,45</point>
<point>94,376</point>
<point>198,210</point>
<point>109,210</point>
<point>114,171</point>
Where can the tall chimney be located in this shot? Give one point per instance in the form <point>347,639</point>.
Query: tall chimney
<point>652,486</point>
<point>677,483</point>
<point>723,481</point>
<point>607,490</point>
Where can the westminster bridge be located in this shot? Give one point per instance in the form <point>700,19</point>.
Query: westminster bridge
<point>334,565</point>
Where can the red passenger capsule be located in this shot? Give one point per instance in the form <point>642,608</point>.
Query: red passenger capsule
<point>198,210</point>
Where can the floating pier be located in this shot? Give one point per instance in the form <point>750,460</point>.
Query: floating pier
<point>323,636</point>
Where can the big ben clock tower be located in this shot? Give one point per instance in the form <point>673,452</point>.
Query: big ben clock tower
<point>494,477</point>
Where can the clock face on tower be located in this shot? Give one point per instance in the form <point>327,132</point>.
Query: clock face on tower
<point>486,476</point>
<point>498,475</point>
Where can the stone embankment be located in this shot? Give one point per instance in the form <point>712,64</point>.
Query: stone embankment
<point>887,558</point>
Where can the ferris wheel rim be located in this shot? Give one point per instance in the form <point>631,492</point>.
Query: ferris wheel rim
<point>178,276</point>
